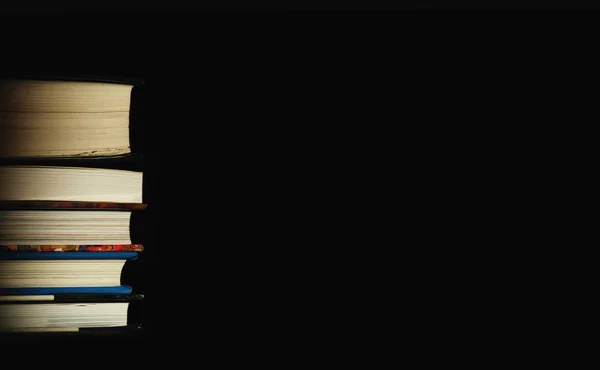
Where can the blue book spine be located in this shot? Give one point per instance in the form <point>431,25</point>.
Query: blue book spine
<point>123,289</point>
<point>69,256</point>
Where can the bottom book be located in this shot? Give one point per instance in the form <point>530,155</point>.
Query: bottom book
<point>74,329</point>
<point>67,313</point>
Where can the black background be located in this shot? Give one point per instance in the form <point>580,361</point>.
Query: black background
<point>435,5</point>
<point>244,173</point>
<point>205,101</point>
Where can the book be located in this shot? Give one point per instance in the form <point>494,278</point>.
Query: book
<point>77,184</point>
<point>61,316</point>
<point>42,116</point>
<point>65,227</point>
<point>63,273</point>
<point>57,313</point>
<point>23,314</point>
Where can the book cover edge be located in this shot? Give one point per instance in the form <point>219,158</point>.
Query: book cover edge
<point>102,248</point>
<point>72,205</point>
<point>121,80</point>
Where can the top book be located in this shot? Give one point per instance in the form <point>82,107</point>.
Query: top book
<point>68,117</point>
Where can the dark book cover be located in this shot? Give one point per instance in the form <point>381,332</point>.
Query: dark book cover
<point>123,80</point>
<point>73,298</point>
<point>56,205</point>
<point>127,162</point>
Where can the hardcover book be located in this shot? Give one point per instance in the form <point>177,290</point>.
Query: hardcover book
<point>61,273</point>
<point>65,227</point>
<point>75,184</point>
<point>58,313</point>
<point>58,316</point>
<point>53,116</point>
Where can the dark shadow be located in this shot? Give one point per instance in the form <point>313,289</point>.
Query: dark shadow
<point>133,274</point>
<point>137,119</point>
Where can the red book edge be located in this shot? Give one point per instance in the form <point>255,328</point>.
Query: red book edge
<point>73,248</point>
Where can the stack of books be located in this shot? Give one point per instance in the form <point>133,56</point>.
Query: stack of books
<point>70,186</point>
